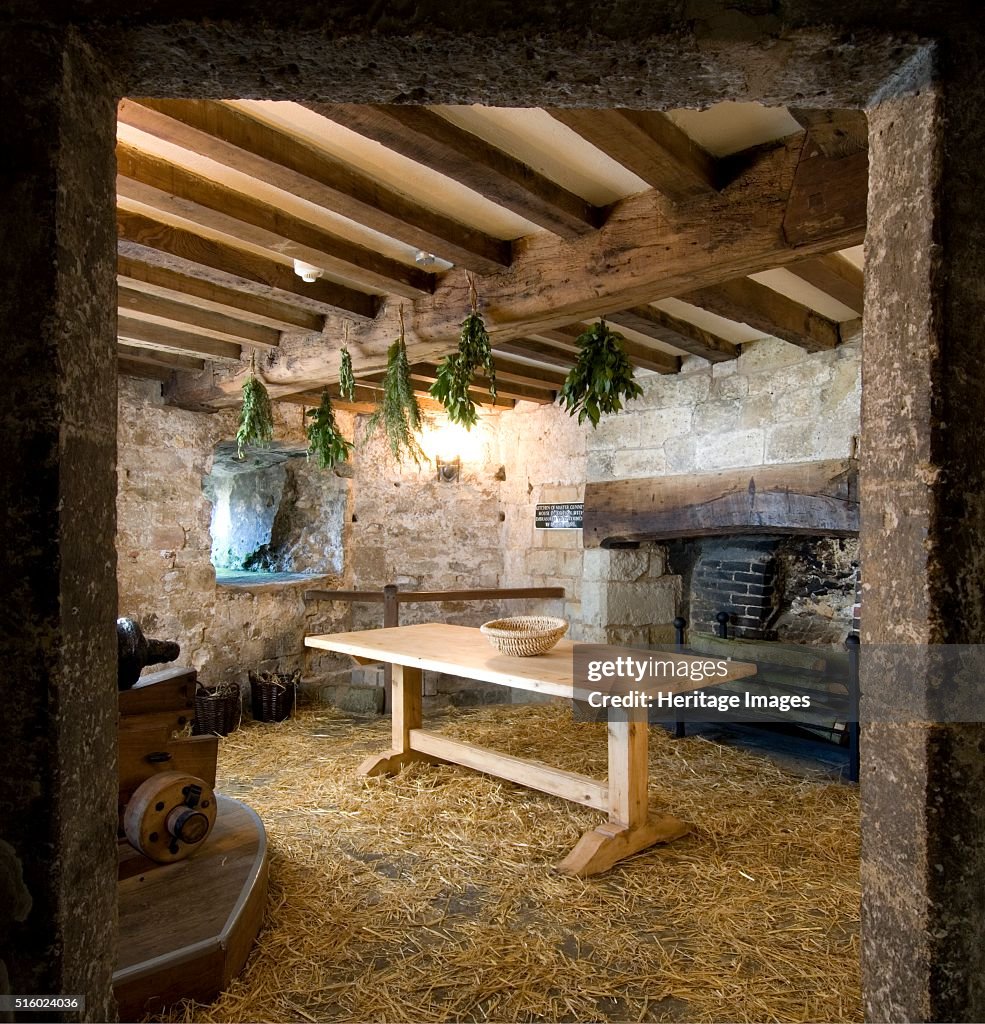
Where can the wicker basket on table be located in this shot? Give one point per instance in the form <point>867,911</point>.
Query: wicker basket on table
<point>272,695</point>
<point>218,710</point>
<point>523,636</point>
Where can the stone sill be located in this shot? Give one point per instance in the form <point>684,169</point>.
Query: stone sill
<point>226,579</point>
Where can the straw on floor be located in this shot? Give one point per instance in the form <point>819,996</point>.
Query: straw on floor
<point>431,896</point>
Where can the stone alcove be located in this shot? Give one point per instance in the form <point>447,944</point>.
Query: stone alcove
<point>275,514</point>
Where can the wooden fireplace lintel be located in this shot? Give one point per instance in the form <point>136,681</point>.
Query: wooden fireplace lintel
<point>806,498</point>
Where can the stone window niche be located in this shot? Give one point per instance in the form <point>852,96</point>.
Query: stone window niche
<point>276,516</point>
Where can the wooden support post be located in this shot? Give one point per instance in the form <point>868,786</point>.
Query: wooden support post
<point>406,712</point>
<point>391,617</point>
<point>630,827</point>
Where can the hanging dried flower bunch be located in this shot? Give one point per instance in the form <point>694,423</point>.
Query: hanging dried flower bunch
<point>398,410</point>
<point>325,440</point>
<point>256,419</point>
<point>457,372</point>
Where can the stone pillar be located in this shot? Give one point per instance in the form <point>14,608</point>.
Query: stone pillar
<point>923,541</point>
<point>57,489</point>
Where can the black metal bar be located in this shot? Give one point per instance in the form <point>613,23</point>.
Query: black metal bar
<point>680,625</point>
<point>722,619</point>
<point>853,646</point>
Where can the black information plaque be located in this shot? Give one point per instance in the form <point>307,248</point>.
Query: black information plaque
<point>567,515</point>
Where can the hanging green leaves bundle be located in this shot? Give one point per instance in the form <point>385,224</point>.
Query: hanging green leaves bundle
<point>398,410</point>
<point>256,419</point>
<point>457,372</point>
<point>347,381</point>
<point>602,377</point>
<point>325,440</point>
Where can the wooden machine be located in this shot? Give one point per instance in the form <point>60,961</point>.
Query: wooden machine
<point>180,846</point>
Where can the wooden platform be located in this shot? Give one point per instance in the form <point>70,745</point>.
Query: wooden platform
<point>187,928</point>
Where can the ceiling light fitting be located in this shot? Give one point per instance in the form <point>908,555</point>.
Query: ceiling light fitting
<point>307,272</point>
<point>425,259</point>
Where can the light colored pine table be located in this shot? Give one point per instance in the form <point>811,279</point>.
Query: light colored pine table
<point>464,651</point>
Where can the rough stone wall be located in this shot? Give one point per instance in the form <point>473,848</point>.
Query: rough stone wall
<point>58,723</point>
<point>166,578</point>
<point>776,403</point>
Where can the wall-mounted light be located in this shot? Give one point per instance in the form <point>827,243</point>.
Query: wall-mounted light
<point>448,469</point>
<point>307,272</point>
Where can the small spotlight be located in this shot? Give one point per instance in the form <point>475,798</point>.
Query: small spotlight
<point>425,259</point>
<point>307,272</point>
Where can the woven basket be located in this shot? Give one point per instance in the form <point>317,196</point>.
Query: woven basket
<point>523,636</point>
<point>272,695</point>
<point>218,711</point>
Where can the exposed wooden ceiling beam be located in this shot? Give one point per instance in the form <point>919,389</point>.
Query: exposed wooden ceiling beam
<point>644,252</point>
<point>650,145</point>
<point>147,334</point>
<point>641,356</point>
<point>247,266</point>
<point>825,200</point>
<point>155,357</point>
<point>428,139</point>
<point>521,373</point>
<point>145,371</point>
<point>234,139</point>
<point>835,276</point>
<point>421,384</point>
<point>140,306</point>
<point>542,351</point>
<point>655,323</point>
<point>426,373</point>
<point>166,283</point>
<point>766,310</point>
<point>171,189</point>
<point>836,133</point>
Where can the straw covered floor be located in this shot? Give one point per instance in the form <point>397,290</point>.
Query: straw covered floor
<point>431,896</point>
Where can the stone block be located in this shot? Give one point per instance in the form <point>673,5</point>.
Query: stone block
<point>726,369</point>
<point>667,391</point>
<point>595,563</point>
<point>756,411</point>
<point>641,604</point>
<point>734,386</point>
<point>639,463</point>
<point>738,448</point>
<point>543,562</point>
<point>627,565</point>
<point>593,603</point>
<point>599,466</point>
<point>768,354</point>
<point>812,372</point>
<point>681,454</point>
<point>618,430</point>
<point>570,564</point>
<point>716,416</point>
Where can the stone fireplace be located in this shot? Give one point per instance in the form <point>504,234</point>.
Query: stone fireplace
<point>775,548</point>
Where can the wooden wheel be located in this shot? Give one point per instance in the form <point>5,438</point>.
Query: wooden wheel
<point>169,816</point>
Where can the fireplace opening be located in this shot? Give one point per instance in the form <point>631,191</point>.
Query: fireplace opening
<point>262,527</point>
<point>794,589</point>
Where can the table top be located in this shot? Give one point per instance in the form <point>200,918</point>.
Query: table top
<point>464,651</point>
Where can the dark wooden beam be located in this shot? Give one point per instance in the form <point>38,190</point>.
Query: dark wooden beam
<point>238,263</point>
<point>836,133</point>
<point>201,293</point>
<point>650,145</point>
<point>825,200</point>
<point>806,498</point>
<point>426,373</point>
<point>154,357</point>
<point>237,140</point>
<point>835,276</point>
<point>521,373</point>
<point>159,336</point>
<point>542,351</point>
<point>168,188</point>
<point>766,310</point>
<point>139,305</point>
<point>421,385</point>
<point>655,323</point>
<point>144,371</point>
<point>428,139</point>
<point>641,356</point>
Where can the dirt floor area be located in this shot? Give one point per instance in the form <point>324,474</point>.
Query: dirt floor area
<point>432,896</point>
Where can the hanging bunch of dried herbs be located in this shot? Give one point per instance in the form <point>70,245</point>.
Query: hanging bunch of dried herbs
<point>347,382</point>
<point>601,379</point>
<point>398,410</point>
<point>324,438</point>
<point>256,419</point>
<point>456,372</point>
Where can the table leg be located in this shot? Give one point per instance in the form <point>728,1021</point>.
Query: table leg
<point>630,828</point>
<point>405,715</point>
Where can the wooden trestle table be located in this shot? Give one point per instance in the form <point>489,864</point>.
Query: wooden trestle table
<point>464,651</point>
